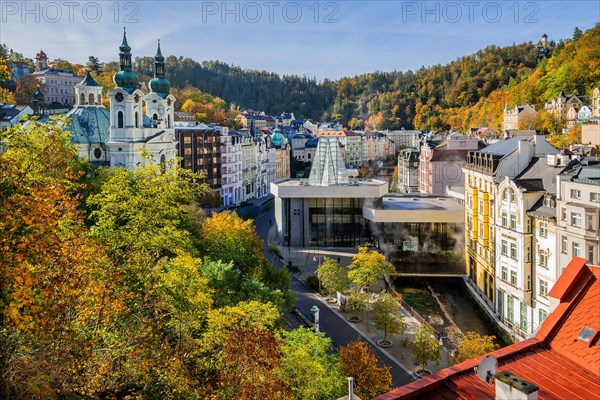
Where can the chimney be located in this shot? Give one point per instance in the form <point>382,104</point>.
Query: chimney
<point>350,388</point>
<point>511,387</point>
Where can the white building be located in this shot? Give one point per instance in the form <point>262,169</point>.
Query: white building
<point>132,132</point>
<point>58,85</point>
<point>231,168</point>
<point>404,138</point>
<point>578,212</point>
<point>10,115</point>
<point>526,244</point>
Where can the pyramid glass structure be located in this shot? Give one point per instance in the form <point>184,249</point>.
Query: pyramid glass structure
<point>328,167</point>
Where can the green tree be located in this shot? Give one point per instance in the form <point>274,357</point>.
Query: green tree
<point>332,275</point>
<point>309,365</point>
<point>368,266</point>
<point>357,301</point>
<point>226,237</point>
<point>359,362</point>
<point>474,345</point>
<point>386,315</point>
<point>425,346</point>
<point>185,297</point>
<point>94,65</point>
<point>577,34</point>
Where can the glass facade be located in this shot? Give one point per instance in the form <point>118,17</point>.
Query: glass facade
<point>337,222</point>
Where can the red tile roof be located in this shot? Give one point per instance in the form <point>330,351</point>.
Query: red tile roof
<point>562,366</point>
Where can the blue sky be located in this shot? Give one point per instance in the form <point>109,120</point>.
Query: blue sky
<point>323,39</point>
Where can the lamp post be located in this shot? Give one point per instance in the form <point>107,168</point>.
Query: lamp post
<point>318,258</point>
<point>315,314</point>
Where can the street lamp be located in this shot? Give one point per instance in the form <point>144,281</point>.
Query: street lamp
<point>315,314</point>
<point>318,258</point>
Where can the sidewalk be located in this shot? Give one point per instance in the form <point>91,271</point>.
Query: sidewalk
<point>308,259</point>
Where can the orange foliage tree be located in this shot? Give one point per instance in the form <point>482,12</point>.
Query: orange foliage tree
<point>359,362</point>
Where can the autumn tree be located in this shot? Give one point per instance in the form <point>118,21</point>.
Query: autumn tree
<point>368,266</point>
<point>359,362</point>
<point>251,358</point>
<point>6,96</point>
<point>309,366</point>
<point>426,346</point>
<point>226,237</point>
<point>474,345</point>
<point>332,275</point>
<point>26,86</point>
<point>54,307</point>
<point>221,322</point>
<point>387,316</point>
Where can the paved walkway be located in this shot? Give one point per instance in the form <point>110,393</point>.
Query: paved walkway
<point>307,260</point>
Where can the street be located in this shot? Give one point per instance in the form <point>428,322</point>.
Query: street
<point>337,328</point>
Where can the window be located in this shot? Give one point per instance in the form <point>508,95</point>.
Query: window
<point>563,214</point>
<point>500,304</point>
<point>120,119</point>
<point>513,222</point>
<point>575,219</point>
<point>543,229</point>
<point>504,220</point>
<point>563,244</point>
<point>504,274</point>
<point>543,259</point>
<point>542,316</point>
<point>590,222</point>
<point>576,250</point>
<point>523,316</point>
<point>481,230</point>
<point>575,194</point>
<point>590,256</point>
<point>543,288</point>
<point>510,303</point>
<point>513,251</point>
<point>504,250</point>
<point>513,278</point>
<point>480,206</point>
<point>595,197</point>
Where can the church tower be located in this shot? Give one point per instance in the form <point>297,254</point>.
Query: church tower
<point>131,131</point>
<point>159,103</point>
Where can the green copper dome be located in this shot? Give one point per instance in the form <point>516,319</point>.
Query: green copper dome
<point>159,85</point>
<point>277,139</point>
<point>126,79</point>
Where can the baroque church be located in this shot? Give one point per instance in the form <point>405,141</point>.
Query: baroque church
<point>137,122</point>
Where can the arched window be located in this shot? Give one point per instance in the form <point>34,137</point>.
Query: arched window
<point>120,119</point>
<point>137,118</point>
<point>91,99</point>
<point>82,99</point>
<point>155,117</point>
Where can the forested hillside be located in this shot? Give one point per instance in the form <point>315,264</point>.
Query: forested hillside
<point>573,68</point>
<point>470,91</point>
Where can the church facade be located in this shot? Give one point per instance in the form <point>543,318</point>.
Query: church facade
<point>139,125</point>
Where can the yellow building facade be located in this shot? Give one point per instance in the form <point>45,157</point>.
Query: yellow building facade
<point>479,223</point>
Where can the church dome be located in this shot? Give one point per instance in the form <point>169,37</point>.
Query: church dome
<point>126,80</point>
<point>88,80</point>
<point>89,124</point>
<point>160,86</point>
<point>277,139</point>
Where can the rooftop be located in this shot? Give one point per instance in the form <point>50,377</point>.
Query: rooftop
<point>415,208</point>
<point>556,359</point>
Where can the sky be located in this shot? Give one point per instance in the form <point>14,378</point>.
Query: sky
<point>322,39</point>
